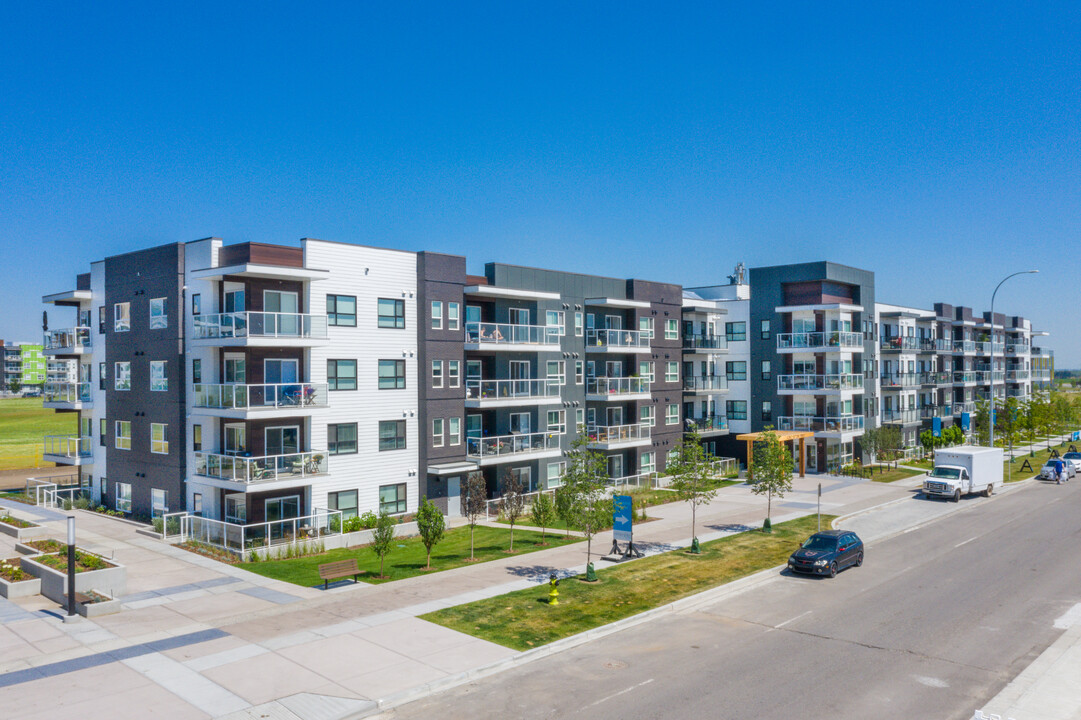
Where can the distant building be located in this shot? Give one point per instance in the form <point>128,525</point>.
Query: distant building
<point>25,363</point>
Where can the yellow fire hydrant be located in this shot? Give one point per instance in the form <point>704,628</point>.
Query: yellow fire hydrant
<point>553,591</point>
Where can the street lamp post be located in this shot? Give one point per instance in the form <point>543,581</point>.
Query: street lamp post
<point>71,566</point>
<point>991,412</point>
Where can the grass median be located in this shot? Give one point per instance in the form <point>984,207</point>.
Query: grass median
<point>1016,470</point>
<point>523,619</point>
<point>892,474</point>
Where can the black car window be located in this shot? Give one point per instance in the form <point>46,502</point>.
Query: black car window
<point>820,542</point>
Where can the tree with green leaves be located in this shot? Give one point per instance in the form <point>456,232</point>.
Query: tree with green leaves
<point>691,473</point>
<point>431,525</point>
<point>512,502</point>
<point>564,507</point>
<point>981,422</point>
<point>772,465</point>
<point>1006,420</point>
<point>474,503</point>
<point>869,441</point>
<point>383,537</point>
<point>927,440</point>
<point>890,441</point>
<point>14,386</point>
<point>583,488</point>
<point>543,513</point>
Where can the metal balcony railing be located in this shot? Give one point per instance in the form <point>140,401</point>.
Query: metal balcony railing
<point>901,343</point>
<point>936,378</point>
<point>708,423</point>
<point>928,412</point>
<point>705,342</point>
<point>617,385</point>
<point>845,381</point>
<point>1015,375</point>
<point>530,389</point>
<point>499,446</point>
<point>964,376</point>
<point>618,433</point>
<point>267,468</point>
<point>820,340</point>
<point>705,383</point>
<point>67,392</point>
<point>69,446</point>
<point>909,415</point>
<point>964,346</point>
<point>605,338</point>
<point>250,324</point>
<point>819,423</point>
<point>68,339</point>
<point>900,380</point>
<point>511,334</point>
<point>225,396</point>
<point>969,407</point>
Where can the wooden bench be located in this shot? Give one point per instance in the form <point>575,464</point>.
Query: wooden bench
<point>340,569</point>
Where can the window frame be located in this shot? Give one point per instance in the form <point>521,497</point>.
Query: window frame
<point>400,502</point>
<point>122,320</point>
<point>454,316</point>
<point>335,379</point>
<point>398,378</point>
<point>334,438</point>
<point>670,417</point>
<point>454,373</point>
<point>396,321</point>
<point>732,411</point>
<point>161,444</point>
<point>163,380</point>
<point>349,511</point>
<point>733,334</point>
<point>437,374</point>
<point>121,441</point>
<point>731,372</point>
<point>439,432</point>
<point>122,381</point>
<point>670,375</point>
<point>671,329</point>
<point>454,431</point>
<point>122,499</point>
<point>159,320</point>
<point>767,370</point>
<point>335,318</point>
<point>399,439</point>
<point>436,315</point>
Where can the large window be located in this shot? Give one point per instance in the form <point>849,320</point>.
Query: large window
<point>341,374</point>
<point>647,415</point>
<point>765,329</point>
<point>735,331</point>
<point>159,502</point>
<point>342,310</point>
<point>437,373</point>
<point>391,313</point>
<point>437,315</point>
<point>159,381</point>
<point>671,329</point>
<point>671,414</point>
<point>122,434</point>
<point>122,317</point>
<point>392,499</point>
<point>123,497</point>
<point>437,432</point>
<point>159,438</point>
<point>557,371</point>
<point>557,422</point>
<point>345,501</point>
<point>391,374</point>
<point>671,371</point>
<point>158,317</point>
<point>736,370</point>
<point>454,321</point>
<point>554,474</point>
<point>342,439</point>
<point>454,431</point>
<point>391,435</point>
<point>122,376</point>
<point>648,462</point>
<point>454,373</point>
<point>236,508</point>
<point>579,322</point>
<point>736,409</point>
<point>767,410</point>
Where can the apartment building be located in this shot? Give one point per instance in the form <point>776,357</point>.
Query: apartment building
<point>24,363</point>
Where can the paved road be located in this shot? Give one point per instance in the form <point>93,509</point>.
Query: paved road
<point>936,622</point>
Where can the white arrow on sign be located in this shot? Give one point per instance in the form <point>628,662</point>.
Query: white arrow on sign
<point>622,519</point>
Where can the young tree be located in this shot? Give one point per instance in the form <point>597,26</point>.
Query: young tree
<point>870,443</point>
<point>543,513</point>
<point>772,471</point>
<point>981,422</point>
<point>890,441</point>
<point>583,486</point>
<point>927,439</point>
<point>1006,421</point>
<point>383,537</point>
<point>564,506</point>
<point>431,525</point>
<point>692,477</point>
<point>14,386</point>
<point>512,503</point>
<point>474,503</point>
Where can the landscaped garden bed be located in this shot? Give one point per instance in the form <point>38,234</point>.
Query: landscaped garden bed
<point>20,529</point>
<point>16,582</point>
<point>93,604</point>
<point>37,547</point>
<point>92,572</point>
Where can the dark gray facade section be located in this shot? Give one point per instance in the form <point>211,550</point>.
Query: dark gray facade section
<point>137,278</point>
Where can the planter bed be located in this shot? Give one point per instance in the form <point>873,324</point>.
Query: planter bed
<point>42,545</point>
<point>93,604</point>
<point>16,582</point>
<point>92,572</point>
<point>21,529</point>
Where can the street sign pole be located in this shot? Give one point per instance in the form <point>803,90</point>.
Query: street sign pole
<point>819,507</point>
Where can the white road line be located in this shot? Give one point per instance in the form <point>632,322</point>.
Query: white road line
<point>621,692</point>
<point>792,619</point>
<point>966,542</point>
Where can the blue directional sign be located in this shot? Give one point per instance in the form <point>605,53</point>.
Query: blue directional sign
<point>1076,435</point>
<point>622,514</point>
<point>936,426</point>
<point>964,421</point>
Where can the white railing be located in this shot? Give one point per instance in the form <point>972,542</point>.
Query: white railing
<point>267,468</point>
<point>617,385</point>
<point>964,376</point>
<point>932,411</point>
<point>709,423</point>
<point>50,492</point>
<point>243,539</point>
<point>224,396</point>
<point>67,338</point>
<point>846,381</point>
<point>898,380</point>
<point>69,446</point>
<point>695,383</point>
<point>902,342</point>
<point>618,433</point>
<point>828,423</point>
<point>510,389</point>
<point>909,415</point>
<point>959,408</point>
<point>511,334</point>
<point>510,445</point>
<point>1017,374</point>
<point>935,378</point>
<point>705,342</point>
<point>616,338</point>
<point>964,346</point>
<point>814,340</point>
<point>67,392</point>
<point>260,325</point>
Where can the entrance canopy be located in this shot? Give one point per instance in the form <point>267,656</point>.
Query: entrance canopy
<point>783,436</point>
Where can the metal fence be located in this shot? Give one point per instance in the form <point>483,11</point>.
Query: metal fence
<point>243,539</point>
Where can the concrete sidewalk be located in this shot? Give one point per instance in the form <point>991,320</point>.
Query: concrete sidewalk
<point>1050,687</point>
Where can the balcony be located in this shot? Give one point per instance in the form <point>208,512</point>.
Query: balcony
<point>256,474</point>
<point>1041,375</point>
<point>904,343</point>
<point>929,412</point>
<point>605,389</point>
<point>616,437</point>
<point>1016,348</point>
<point>824,341</point>
<point>68,450</point>
<point>942,345</point>
<point>821,424</point>
<point>961,377</point>
<point>936,378</point>
<point>707,425</point>
<point>617,341</point>
<point>905,417</point>
<point>705,384</point>
<point>896,381</point>
<point>70,341</point>
<point>1017,375</point>
<point>796,384</point>
<point>704,343</point>
<point>966,347</point>
<point>510,393</point>
<point>504,448</point>
<point>67,395</point>
<point>1016,392</point>
<point>273,400</point>
<point>259,329</point>
<point>508,336</point>
<point>969,407</point>
<point>983,348</point>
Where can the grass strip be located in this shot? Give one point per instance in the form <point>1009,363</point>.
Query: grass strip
<point>894,474</point>
<point>1013,472</point>
<point>523,619</point>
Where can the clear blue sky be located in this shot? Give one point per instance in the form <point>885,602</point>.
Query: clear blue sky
<point>938,146</point>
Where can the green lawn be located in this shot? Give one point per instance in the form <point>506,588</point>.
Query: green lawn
<point>522,620</point>
<point>891,474</point>
<point>1012,472</point>
<point>406,558</point>
<point>23,424</point>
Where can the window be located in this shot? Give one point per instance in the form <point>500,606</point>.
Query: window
<point>197,504</point>
<point>391,435</point>
<point>102,375</point>
<point>104,486</point>
<point>345,501</point>
<point>645,326</point>
<point>671,329</point>
<point>159,382</point>
<point>122,434</point>
<point>454,373</point>
<point>671,371</point>
<point>579,418</point>
<point>236,508</point>
<point>196,305</point>
<point>391,313</point>
<point>158,318</point>
<point>437,315</point>
<point>646,369</point>
<point>103,431</point>
<point>765,329</point>
<point>121,317</point>
<point>391,374</point>
<point>122,376</point>
<point>579,372</point>
<point>454,431</point>
<point>159,502</point>
<point>766,374</point>
<point>342,310</point>
<point>159,440</point>
<point>579,322</point>
<point>671,414</point>
<point>767,410</point>
<point>342,439</point>
<point>647,463</point>
<point>734,331</point>
<point>557,422</point>
<point>557,371</point>
<point>341,374</point>
<point>555,321</point>
<point>736,370</point>
<point>671,457</point>
<point>437,432</point>
<point>101,319</point>
<point>554,475</point>
<point>392,499</point>
<point>197,437</point>
<point>453,316</point>
<point>647,415</point>
<point>123,497</point>
<point>736,409</point>
<point>196,371</point>
<point>437,373</point>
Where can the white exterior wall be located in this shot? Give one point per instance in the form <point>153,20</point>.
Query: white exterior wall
<point>369,274</point>
<point>99,411</point>
<point>739,311</point>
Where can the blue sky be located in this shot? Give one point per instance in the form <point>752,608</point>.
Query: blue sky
<point>938,146</point>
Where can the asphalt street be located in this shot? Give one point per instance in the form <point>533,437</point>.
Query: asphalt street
<point>934,624</point>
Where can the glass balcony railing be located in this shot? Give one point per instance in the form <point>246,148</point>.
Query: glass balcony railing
<point>902,343</point>
<point>510,389</point>
<point>67,392</point>
<point>969,407</point>
<point>511,334</point>
<point>983,348</point>
<point>261,325</point>
<point>1016,375</point>
<point>68,446</point>
<point>812,423</point>
<point>708,423</point>
<point>1016,348</point>
<point>508,446</point>
<point>927,412</point>
<point>964,346</point>
<point>607,338</point>
<point>936,378</point>
<point>964,376</point>
<point>704,342</point>
<point>241,397</point>
<point>607,434</point>
<point>820,340</point>
<point>943,345</point>
<point>910,415</point>
<point>1016,392</point>
<point>900,380</point>
<point>617,386</point>
<point>261,469</point>
<point>705,383</point>
<point>74,339</point>
<point>811,383</point>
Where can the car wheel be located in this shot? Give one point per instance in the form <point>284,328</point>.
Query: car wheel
<point>957,496</point>
<point>833,569</point>
<point>989,491</point>
<point>859,559</point>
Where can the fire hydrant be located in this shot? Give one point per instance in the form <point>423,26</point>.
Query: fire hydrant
<point>553,592</point>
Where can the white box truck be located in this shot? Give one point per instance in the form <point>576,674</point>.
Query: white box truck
<point>962,471</point>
